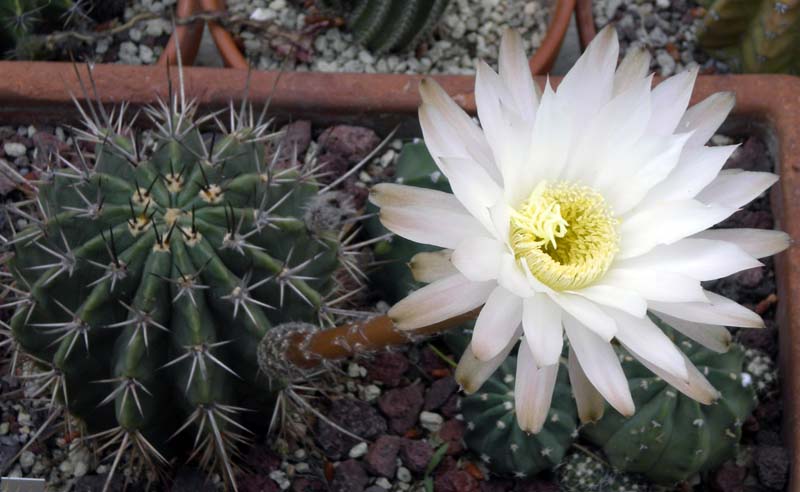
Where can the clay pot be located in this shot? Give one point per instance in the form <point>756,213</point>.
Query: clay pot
<point>231,54</point>
<point>584,18</point>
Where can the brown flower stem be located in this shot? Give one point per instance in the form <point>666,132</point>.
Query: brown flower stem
<point>376,334</point>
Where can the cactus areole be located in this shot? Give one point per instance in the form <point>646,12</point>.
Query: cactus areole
<point>149,273</point>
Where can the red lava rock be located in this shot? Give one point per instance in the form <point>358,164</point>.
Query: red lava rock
<point>47,145</point>
<point>356,416</point>
<point>456,481</point>
<point>304,484</point>
<point>381,458</point>
<point>729,478</point>
<point>751,277</point>
<point>430,362</point>
<point>402,406</point>
<point>439,392</point>
<point>297,136</point>
<point>451,407</point>
<point>333,165</point>
<point>769,411</point>
<point>758,219</point>
<point>452,433</point>
<point>349,476</point>
<point>416,455</point>
<point>496,486</point>
<point>351,142</point>
<point>765,339</point>
<point>752,155</point>
<point>387,368</point>
<point>263,460</point>
<point>257,483</point>
<point>772,464</point>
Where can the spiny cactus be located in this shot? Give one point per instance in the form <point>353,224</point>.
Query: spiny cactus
<point>21,20</point>
<point>494,435</point>
<point>672,437</point>
<point>388,25</point>
<point>150,272</point>
<point>754,35</point>
<point>414,167</point>
<point>582,471</point>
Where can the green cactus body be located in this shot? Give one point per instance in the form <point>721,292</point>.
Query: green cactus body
<point>754,35</point>
<point>494,435</point>
<point>21,20</point>
<point>581,472</point>
<point>389,25</point>
<point>153,278</point>
<point>672,437</point>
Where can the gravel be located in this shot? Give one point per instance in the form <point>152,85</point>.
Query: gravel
<point>469,30</point>
<point>667,29</point>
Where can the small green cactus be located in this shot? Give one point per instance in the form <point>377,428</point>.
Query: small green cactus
<point>583,472</point>
<point>672,437</point>
<point>494,435</point>
<point>22,20</point>
<point>149,274</point>
<point>759,36</point>
<point>388,25</point>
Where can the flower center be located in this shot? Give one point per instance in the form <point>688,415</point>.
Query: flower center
<point>566,235</point>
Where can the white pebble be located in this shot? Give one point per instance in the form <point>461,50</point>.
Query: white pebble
<point>431,421</point>
<point>14,149</point>
<point>26,460</point>
<point>358,450</point>
<point>383,483</point>
<point>403,474</point>
<point>279,478</point>
<point>371,392</point>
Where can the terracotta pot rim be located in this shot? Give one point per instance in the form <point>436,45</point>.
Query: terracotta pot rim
<point>584,18</point>
<point>541,62</point>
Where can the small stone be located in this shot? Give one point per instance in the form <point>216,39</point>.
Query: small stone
<point>351,142</point>
<point>383,483</point>
<point>440,392</point>
<point>431,421</point>
<point>666,62</point>
<point>452,433</point>
<point>279,477</point>
<point>81,468</point>
<point>403,474</point>
<point>358,450</point>
<point>261,15</point>
<point>356,416</point>
<point>387,368</point>
<point>3,428</point>
<point>26,460</point>
<point>371,392</point>
<point>349,476</point>
<point>456,481</point>
<point>381,459</point>
<point>402,406</point>
<point>14,149</point>
<point>135,35</point>
<point>146,54</point>
<point>772,464</point>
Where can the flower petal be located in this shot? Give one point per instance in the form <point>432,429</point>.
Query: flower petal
<point>433,266</point>
<point>670,99</point>
<point>633,68</point>
<point>589,401</point>
<point>706,117</point>
<point>588,313</point>
<point>428,226</point>
<point>440,301</point>
<point>645,341</point>
<point>611,296</point>
<point>656,286</point>
<point>757,243</point>
<point>478,258</point>
<point>513,278</point>
<point>516,75</point>
<point>496,324</point>
<point>700,259</point>
<point>533,391</point>
<point>472,186</point>
<point>472,372</point>
<point>713,337</point>
<point>666,223</point>
<point>734,188</point>
<point>696,387</point>
<point>719,311</point>
<point>448,130</point>
<point>541,322</point>
<point>600,365</point>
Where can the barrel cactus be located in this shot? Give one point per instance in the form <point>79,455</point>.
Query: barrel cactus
<point>672,437</point>
<point>754,35</point>
<point>150,272</point>
<point>21,20</point>
<point>494,435</point>
<point>388,25</point>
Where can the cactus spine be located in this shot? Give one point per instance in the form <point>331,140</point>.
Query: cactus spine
<point>672,437</point>
<point>754,35</point>
<point>22,20</point>
<point>148,276</point>
<point>388,25</point>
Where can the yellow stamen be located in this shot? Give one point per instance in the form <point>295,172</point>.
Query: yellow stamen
<point>565,234</point>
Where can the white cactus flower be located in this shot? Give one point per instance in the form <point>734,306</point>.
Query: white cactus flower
<point>578,210</point>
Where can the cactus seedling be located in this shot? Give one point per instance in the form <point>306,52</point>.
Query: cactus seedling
<point>388,25</point>
<point>148,275</point>
<point>754,35</point>
<point>672,437</point>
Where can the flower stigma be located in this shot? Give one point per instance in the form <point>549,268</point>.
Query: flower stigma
<point>565,234</point>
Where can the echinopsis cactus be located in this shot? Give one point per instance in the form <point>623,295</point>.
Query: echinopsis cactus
<point>753,35</point>
<point>20,20</point>
<point>672,437</point>
<point>388,25</point>
<point>149,275</point>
